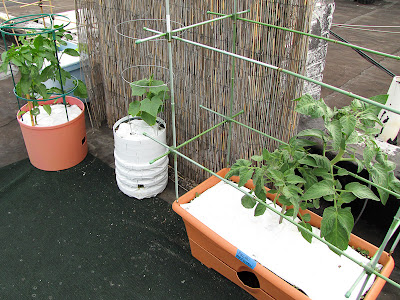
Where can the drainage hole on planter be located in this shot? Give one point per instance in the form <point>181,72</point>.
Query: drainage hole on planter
<point>140,186</point>
<point>83,140</point>
<point>249,279</point>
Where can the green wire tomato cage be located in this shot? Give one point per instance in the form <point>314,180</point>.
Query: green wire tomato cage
<point>30,26</point>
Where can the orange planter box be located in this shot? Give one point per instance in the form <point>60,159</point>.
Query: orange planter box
<point>217,253</point>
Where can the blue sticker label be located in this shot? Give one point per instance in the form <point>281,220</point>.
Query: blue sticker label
<point>244,258</point>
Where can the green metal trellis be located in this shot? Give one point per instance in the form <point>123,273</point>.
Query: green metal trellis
<point>369,268</point>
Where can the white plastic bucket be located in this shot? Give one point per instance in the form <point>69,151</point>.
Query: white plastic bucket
<point>135,176</point>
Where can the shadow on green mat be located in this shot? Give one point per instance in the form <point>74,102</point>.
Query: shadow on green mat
<point>73,235</point>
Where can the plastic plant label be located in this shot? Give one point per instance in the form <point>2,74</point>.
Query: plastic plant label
<point>244,258</point>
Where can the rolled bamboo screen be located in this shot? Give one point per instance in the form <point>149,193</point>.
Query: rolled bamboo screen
<point>201,76</point>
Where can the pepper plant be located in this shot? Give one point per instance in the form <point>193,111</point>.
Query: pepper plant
<point>153,92</point>
<point>302,179</point>
<point>37,60</point>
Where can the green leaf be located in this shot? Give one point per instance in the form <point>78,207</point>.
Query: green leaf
<point>357,105</point>
<point>241,163</point>
<point>308,175</point>
<point>4,66</point>
<point>137,90</point>
<point>336,226</point>
<point>42,90</point>
<point>312,132</point>
<point>380,99</point>
<point>245,175</point>
<point>324,174</point>
<point>266,154</point>
<point>17,62</point>
<point>38,42</point>
<point>35,111</point>
<point>360,191</point>
<point>306,217</point>
<point>394,184</point>
<point>309,161</point>
<point>360,165</point>
<point>338,184</point>
<point>293,179</point>
<point>21,112</point>
<point>24,84</point>
<point>71,52</point>
<point>248,202</point>
<point>48,47</point>
<point>134,108</point>
<point>260,209</point>
<point>306,105</point>
<point>284,200</point>
<point>276,175</point>
<point>289,212</point>
<point>260,190</point>
<point>158,86</point>
<point>316,203</point>
<point>46,74</point>
<point>321,161</point>
<point>348,123</point>
<point>142,82</point>
<point>64,76</point>
<point>302,143</point>
<point>149,119</point>
<point>295,202</point>
<point>81,90</point>
<point>305,232</point>
<point>294,189</point>
<point>28,57</point>
<point>335,130</point>
<point>232,172</point>
<point>318,190</point>
<point>346,198</point>
<point>38,61</point>
<point>298,155</point>
<point>354,138</point>
<point>4,56</point>
<point>368,155</point>
<point>257,158</point>
<point>342,172</point>
<point>151,106</point>
<point>47,108</point>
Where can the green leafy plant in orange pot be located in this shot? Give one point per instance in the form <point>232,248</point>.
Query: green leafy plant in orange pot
<point>301,179</point>
<point>52,145</point>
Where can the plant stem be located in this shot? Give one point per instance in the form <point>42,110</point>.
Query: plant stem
<point>283,212</point>
<point>30,107</point>
<point>347,159</point>
<point>338,157</point>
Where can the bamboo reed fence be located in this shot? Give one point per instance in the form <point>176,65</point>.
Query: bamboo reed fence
<point>201,77</point>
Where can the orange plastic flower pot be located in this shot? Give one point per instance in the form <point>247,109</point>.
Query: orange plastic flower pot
<point>59,147</point>
<point>217,253</point>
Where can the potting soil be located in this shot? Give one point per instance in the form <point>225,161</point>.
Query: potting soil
<point>58,115</point>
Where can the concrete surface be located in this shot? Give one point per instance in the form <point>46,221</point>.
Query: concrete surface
<point>344,68</point>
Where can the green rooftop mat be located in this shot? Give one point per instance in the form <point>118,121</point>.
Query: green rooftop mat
<point>73,235</point>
